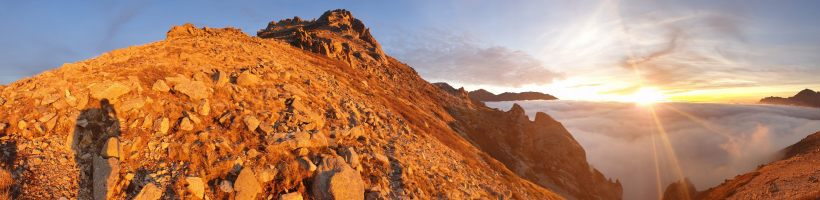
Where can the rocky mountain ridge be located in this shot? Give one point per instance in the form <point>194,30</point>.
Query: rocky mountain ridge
<point>309,109</point>
<point>484,95</point>
<point>805,97</point>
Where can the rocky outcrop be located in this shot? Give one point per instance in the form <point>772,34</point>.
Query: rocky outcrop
<point>336,34</point>
<point>795,176</point>
<point>805,97</point>
<point>484,95</point>
<point>542,151</point>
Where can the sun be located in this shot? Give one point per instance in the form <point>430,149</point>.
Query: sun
<point>647,96</point>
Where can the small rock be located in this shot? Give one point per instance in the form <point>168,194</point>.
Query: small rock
<point>132,104</point>
<point>267,175</point>
<point>110,91</point>
<point>50,99</point>
<point>220,78</point>
<point>149,192</point>
<point>194,119</point>
<point>291,196</point>
<point>82,123</point>
<point>22,124</point>
<point>161,86</point>
<point>226,186</point>
<point>251,122</point>
<point>381,158</point>
<point>111,148</point>
<point>186,124</point>
<point>319,139</point>
<point>307,163</point>
<point>204,108</point>
<point>265,127</point>
<point>246,185</point>
<point>302,139</point>
<point>47,117</point>
<point>196,186</point>
<point>252,153</point>
<point>69,99</point>
<point>302,151</point>
<point>247,79</point>
<point>162,125</point>
<point>351,157</point>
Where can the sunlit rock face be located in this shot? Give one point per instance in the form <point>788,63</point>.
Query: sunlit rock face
<point>542,151</point>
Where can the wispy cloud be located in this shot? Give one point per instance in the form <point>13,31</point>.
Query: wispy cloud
<point>444,56</point>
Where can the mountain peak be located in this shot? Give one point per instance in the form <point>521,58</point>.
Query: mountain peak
<point>336,34</point>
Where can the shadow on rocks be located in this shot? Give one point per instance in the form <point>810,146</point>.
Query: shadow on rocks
<point>98,170</point>
<point>8,153</point>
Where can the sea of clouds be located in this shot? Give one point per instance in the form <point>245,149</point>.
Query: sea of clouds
<point>710,141</point>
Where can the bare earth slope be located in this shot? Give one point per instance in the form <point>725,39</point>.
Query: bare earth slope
<point>215,113</point>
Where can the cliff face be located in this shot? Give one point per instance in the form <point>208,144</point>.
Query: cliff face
<point>484,95</point>
<point>214,113</point>
<point>542,150</point>
<point>805,97</point>
<point>795,176</point>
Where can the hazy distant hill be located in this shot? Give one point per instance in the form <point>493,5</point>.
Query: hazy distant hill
<point>805,97</point>
<point>484,95</point>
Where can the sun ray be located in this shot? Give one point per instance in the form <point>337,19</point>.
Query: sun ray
<point>658,184</point>
<point>670,151</point>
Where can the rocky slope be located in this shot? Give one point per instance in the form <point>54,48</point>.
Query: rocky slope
<point>484,95</point>
<point>805,97</point>
<point>309,109</point>
<point>795,176</point>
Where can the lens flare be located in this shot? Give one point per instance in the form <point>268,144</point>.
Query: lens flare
<point>647,96</point>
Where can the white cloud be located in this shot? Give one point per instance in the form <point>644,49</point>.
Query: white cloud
<point>714,142</point>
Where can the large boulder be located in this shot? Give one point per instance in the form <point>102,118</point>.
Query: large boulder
<point>246,185</point>
<point>336,180</point>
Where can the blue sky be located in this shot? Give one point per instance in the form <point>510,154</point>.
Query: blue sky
<point>573,49</point>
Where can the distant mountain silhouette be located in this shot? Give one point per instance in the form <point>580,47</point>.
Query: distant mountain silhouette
<point>484,95</point>
<point>805,97</point>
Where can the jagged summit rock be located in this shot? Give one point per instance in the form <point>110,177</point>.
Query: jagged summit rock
<point>336,34</point>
